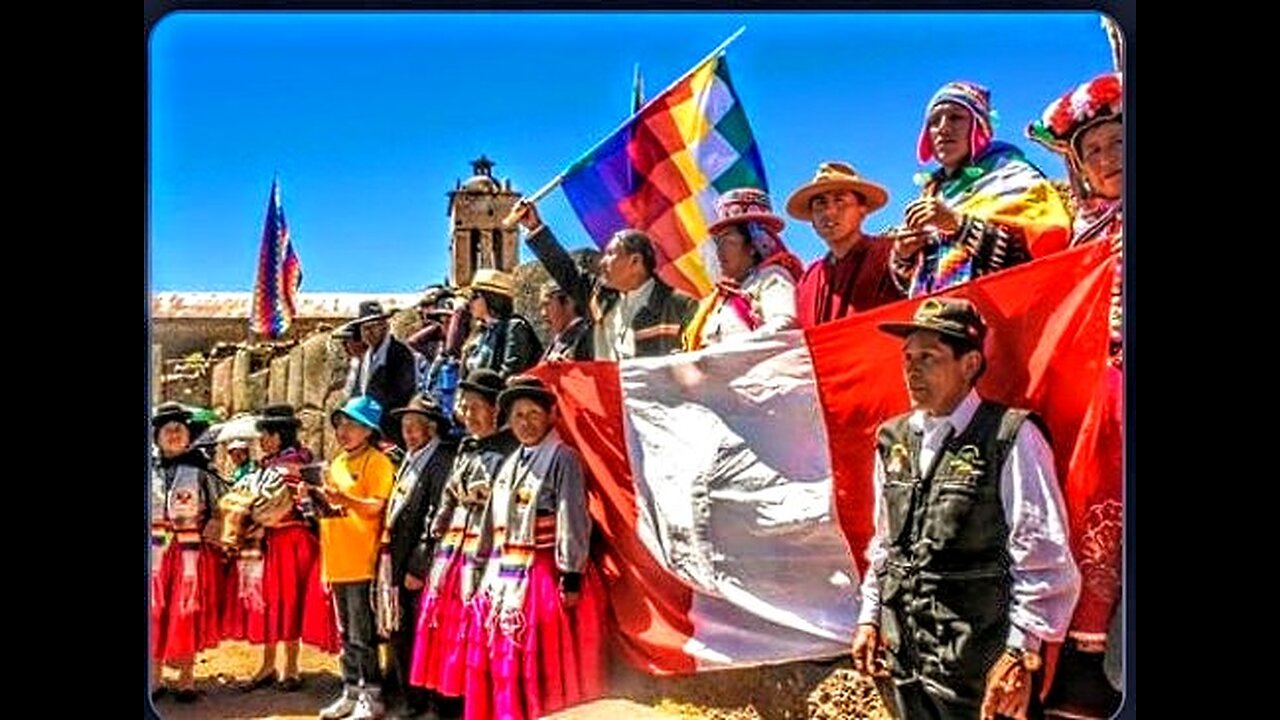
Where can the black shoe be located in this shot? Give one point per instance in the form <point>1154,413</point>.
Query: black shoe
<point>291,684</point>
<point>258,683</point>
<point>186,696</point>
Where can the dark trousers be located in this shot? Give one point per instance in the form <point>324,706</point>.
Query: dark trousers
<point>918,700</point>
<point>401,654</point>
<point>1080,687</point>
<point>359,637</point>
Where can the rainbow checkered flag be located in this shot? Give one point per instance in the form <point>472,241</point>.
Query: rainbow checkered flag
<point>279,274</point>
<point>662,171</point>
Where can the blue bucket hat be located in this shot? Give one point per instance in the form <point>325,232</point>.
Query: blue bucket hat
<point>361,408</point>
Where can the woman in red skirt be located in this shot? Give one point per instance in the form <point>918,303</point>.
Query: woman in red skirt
<point>280,598</point>
<point>185,561</point>
<point>545,600</point>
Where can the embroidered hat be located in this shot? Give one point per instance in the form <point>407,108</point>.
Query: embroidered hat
<point>835,176</point>
<point>1064,121</point>
<point>742,205</point>
<point>973,97</point>
<point>949,316</point>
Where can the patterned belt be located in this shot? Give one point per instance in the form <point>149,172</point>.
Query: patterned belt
<point>544,531</point>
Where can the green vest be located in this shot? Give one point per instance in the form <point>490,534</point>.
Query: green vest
<point>945,586</point>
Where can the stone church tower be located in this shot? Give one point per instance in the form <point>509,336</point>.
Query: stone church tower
<point>477,238</point>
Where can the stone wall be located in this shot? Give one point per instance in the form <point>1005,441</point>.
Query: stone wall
<point>236,379</point>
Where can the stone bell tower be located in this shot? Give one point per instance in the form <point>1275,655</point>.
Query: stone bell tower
<point>477,238</point>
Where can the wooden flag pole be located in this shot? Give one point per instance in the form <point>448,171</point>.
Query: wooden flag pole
<point>516,212</point>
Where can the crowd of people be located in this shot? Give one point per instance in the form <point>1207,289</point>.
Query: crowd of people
<point>452,526</point>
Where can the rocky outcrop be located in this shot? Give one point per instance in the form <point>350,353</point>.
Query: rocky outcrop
<point>220,386</point>
<point>278,384</point>
<point>296,376</point>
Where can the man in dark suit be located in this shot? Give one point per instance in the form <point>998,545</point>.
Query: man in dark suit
<point>633,312</point>
<point>414,499</point>
<point>387,370</point>
<point>571,333</point>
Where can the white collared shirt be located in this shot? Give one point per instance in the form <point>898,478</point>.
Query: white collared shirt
<point>615,339</point>
<point>1046,580</point>
<point>373,359</point>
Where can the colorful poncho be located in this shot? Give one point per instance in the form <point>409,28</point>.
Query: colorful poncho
<point>1011,213</point>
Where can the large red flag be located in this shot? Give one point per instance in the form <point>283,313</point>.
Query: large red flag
<point>713,473</point>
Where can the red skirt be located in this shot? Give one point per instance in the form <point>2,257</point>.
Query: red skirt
<point>557,659</point>
<point>185,611</point>
<point>319,614</point>
<point>290,556</point>
<point>440,640</point>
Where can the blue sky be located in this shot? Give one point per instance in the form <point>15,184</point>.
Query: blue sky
<point>370,118</point>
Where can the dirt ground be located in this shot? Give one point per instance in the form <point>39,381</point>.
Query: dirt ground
<point>786,692</point>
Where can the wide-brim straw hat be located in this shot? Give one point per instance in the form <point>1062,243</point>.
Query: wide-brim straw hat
<point>835,176</point>
<point>494,281</point>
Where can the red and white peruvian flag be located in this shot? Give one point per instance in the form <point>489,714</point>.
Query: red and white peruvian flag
<point>731,487</point>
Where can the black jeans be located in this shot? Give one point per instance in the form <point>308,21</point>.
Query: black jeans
<point>401,654</point>
<point>359,638</point>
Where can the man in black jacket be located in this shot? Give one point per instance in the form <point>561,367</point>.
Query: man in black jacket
<point>387,370</point>
<point>571,333</point>
<point>634,314</point>
<point>414,499</point>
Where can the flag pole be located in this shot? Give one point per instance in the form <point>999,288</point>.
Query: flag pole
<point>542,192</point>
<point>1116,39</point>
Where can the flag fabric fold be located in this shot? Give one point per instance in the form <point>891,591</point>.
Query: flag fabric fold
<point>731,487</point>
<point>663,170</point>
<point>275,290</point>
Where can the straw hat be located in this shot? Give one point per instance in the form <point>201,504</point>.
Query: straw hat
<point>835,176</point>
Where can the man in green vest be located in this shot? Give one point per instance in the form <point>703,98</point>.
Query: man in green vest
<point>970,567</point>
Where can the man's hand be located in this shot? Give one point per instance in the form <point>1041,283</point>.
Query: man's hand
<point>1008,692</point>
<point>907,243</point>
<point>412,582</point>
<point>868,655</point>
<point>525,214</point>
<point>931,212</point>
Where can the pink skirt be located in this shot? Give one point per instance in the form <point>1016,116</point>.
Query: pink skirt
<point>439,647</point>
<point>290,555</point>
<point>479,681</point>
<point>185,612</point>
<point>558,658</point>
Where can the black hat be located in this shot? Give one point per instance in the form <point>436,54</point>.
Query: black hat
<point>168,412</point>
<point>527,387</point>
<point>369,311</point>
<point>955,317</point>
<point>347,331</point>
<point>423,405</point>
<point>485,382</point>
<point>275,417</point>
